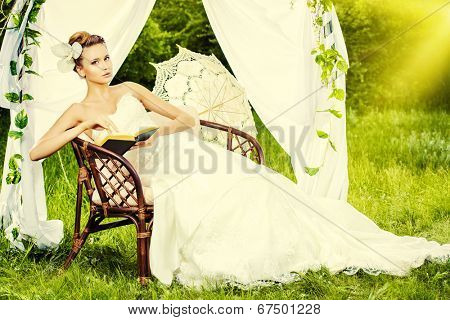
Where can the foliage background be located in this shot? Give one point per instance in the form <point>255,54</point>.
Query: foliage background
<point>411,71</point>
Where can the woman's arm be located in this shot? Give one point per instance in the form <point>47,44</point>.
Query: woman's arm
<point>181,120</point>
<point>65,129</point>
<point>68,126</point>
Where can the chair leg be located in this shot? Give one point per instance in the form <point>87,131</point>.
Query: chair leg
<point>76,233</point>
<point>143,246</point>
<point>76,246</point>
<point>148,242</point>
<point>79,242</point>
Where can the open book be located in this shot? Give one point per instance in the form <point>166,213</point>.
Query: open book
<point>121,141</point>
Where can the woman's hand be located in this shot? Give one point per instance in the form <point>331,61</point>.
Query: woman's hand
<point>147,142</point>
<point>178,124</point>
<point>100,122</point>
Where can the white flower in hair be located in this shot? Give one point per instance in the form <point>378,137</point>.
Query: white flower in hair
<point>67,53</point>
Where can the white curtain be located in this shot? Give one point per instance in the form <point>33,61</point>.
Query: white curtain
<point>120,23</point>
<point>268,45</point>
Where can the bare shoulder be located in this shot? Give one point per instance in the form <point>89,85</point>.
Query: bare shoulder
<point>75,110</point>
<point>83,113</point>
<point>130,85</point>
<point>78,111</point>
<point>136,89</point>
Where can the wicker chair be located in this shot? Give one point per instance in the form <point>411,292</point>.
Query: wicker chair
<point>117,192</point>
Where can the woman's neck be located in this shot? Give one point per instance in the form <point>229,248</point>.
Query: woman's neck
<point>98,92</point>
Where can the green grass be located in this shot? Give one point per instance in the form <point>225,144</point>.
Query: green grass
<point>398,170</point>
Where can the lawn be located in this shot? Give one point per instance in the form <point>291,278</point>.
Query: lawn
<point>398,170</point>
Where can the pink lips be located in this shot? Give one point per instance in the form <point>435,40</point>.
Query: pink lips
<point>107,74</point>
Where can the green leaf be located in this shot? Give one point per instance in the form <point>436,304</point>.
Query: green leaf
<point>13,177</point>
<point>35,42</point>
<point>331,54</point>
<point>12,97</point>
<point>322,134</point>
<point>12,161</point>
<point>327,5</point>
<point>311,171</point>
<point>32,16</point>
<point>28,60</point>
<point>15,134</point>
<point>342,65</point>
<point>319,21</point>
<point>17,156</point>
<point>336,113</point>
<point>320,60</point>
<point>21,119</point>
<point>15,232</point>
<point>12,164</point>
<point>13,67</point>
<point>332,145</point>
<point>27,96</point>
<point>10,177</point>
<point>339,94</point>
<point>33,72</point>
<point>17,19</point>
<point>31,33</point>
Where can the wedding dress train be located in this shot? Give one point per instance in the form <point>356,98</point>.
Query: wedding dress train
<point>221,217</point>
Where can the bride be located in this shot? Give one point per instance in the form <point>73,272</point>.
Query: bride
<point>218,215</point>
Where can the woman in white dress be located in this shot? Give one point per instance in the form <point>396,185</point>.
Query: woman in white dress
<point>218,215</point>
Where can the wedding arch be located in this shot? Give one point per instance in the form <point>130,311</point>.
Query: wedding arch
<point>289,55</point>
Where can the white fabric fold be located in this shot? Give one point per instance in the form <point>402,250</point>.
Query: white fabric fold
<point>268,45</point>
<point>120,25</point>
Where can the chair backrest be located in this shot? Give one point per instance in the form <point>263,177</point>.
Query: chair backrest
<point>239,141</point>
<point>115,178</point>
<point>117,181</point>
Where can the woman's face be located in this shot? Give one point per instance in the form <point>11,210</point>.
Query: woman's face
<point>96,64</point>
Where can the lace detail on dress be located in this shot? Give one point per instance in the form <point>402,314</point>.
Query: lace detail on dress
<point>374,271</point>
<point>213,280</point>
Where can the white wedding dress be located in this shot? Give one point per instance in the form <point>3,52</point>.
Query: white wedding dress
<point>220,217</point>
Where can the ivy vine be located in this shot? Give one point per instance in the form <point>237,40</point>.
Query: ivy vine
<point>29,38</point>
<point>330,61</point>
